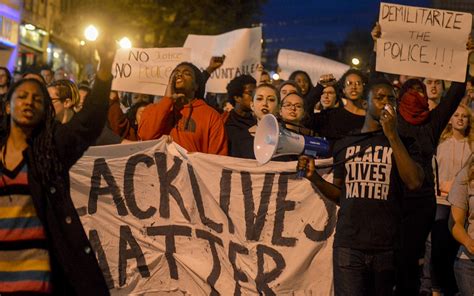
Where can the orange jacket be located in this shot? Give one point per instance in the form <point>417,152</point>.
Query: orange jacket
<point>119,122</point>
<point>197,127</point>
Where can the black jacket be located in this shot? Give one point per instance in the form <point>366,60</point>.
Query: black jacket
<point>75,270</point>
<point>238,135</point>
<point>428,134</point>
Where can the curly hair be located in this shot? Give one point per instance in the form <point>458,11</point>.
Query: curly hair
<point>198,79</point>
<point>45,155</point>
<point>235,88</point>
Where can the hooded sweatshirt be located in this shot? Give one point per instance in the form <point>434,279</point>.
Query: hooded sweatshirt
<point>240,139</point>
<point>196,127</point>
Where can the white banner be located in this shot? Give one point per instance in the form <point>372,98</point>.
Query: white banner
<point>291,60</point>
<point>146,70</point>
<point>423,42</point>
<point>242,49</point>
<point>166,223</point>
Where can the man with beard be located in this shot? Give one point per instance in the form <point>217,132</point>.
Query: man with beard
<point>184,115</point>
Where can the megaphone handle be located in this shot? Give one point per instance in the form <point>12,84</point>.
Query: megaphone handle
<point>301,168</point>
<point>300,174</point>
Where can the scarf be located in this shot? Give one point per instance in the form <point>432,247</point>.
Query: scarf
<point>413,107</point>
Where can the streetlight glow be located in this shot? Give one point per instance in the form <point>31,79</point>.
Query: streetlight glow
<point>125,43</point>
<point>355,61</point>
<point>91,33</point>
<point>30,27</point>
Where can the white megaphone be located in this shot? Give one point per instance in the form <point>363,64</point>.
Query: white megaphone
<point>272,140</point>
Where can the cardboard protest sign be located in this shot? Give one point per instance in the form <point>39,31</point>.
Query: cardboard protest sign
<point>291,60</point>
<point>165,222</point>
<point>242,49</point>
<point>423,42</point>
<point>146,70</point>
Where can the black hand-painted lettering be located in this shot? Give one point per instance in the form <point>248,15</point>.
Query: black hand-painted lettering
<point>216,265</point>
<point>166,188</point>
<point>254,223</point>
<point>101,257</point>
<point>169,232</point>
<point>134,252</point>
<point>319,236</point>
<point>224,200</point>
<point>264,278</point>
<point>200,204</point>
<point>99,171</point>
<point>239,275</point>
<point>282,206</point>
<point>129,186</point>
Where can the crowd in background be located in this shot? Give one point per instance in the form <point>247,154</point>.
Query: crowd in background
<point>435,237</point>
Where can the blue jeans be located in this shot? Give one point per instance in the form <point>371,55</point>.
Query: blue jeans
<point>360,272</point>
<point>464,272</point>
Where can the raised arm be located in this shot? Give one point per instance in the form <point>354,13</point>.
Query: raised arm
<point>74,137</point>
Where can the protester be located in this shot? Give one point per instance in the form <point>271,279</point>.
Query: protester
<point>34,75</point>
<point>368,218</point>
<point>47,74</point>
<point>303,80</point>
<point>125,125</point>
<point>50,253</point>
<point>265,78</point>
<point>84,90</point>
<point>288,87</point>
<point>468,99</point>
<point>326,95</point>
<point>65,97</point>
<point>434,90</point>
<point>240,119</point>
<point>292,109</point>
<point>5,81</point>
<point>419,207</point>
<point>415,120</point>
<point>183,115</point>
<point>335,123</point>
<point>265,101</point>
<point>452,155</point>
<point>461,198</point>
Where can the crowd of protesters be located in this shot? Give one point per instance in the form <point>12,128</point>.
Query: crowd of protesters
<point>417,238</point>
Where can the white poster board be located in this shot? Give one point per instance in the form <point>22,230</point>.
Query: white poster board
<point>166,223</point>
<point>423,42</point>
<point>146,70</point>
<point>242,49</point>
<point>291,60</point>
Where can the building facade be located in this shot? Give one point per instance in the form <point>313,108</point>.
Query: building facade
<point>10,17</point>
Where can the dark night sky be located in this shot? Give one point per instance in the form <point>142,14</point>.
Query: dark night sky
<point>305,25</point>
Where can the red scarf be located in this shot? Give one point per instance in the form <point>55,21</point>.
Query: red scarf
<point>413,107</point>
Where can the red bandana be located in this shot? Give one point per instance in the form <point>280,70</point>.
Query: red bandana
<point>413,107</point>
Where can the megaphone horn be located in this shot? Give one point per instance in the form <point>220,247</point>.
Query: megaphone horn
<point>273,140</point>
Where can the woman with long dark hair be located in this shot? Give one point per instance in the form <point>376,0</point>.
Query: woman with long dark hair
<point>41,237</point>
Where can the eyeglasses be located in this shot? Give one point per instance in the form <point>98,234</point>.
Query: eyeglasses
<point>291,106</point>
<point>356,83</point>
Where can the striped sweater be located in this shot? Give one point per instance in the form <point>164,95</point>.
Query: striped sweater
<point>24,258</point>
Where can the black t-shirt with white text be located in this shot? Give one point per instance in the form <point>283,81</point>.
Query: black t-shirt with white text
<point>370,200</point>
